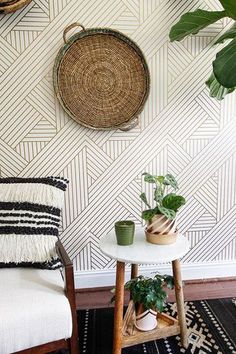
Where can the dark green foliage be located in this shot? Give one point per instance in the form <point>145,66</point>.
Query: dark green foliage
<point>149,291</point>
<point>224,66</point>
<point>173,201</point>
<point>230,7</point>
<point>166,204</point>
<point>230,34</point>
<point>216,89</point>
<point>148,214</point>
<point>193,22</point>
<point>223,79</point>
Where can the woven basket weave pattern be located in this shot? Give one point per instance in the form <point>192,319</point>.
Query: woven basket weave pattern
<point>7,6</point>
<point>100,79</point>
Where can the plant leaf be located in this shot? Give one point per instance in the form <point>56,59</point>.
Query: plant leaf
<point>160,179</point>
<point>173,201</point>
<point>170,214</point>
<point>148,214</point>
<point>158,194</point>
<point>149,291</point>
<point>229,6</point>
<point>159,304</point>
<point>192,22</point>
<point>169,281</point>
<point>149,178</point>
<point>144,199</point>
<point>224,66</point>
<point>230,34</point>
<point>170,180</point>
<point>216,89</point>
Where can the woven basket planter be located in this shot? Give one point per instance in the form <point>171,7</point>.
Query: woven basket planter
<point>7,6</point>
<point>101,78</point>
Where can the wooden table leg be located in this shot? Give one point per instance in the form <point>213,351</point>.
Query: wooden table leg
<point>134,270</point>
<point>134,274</point>
<point>118,311</point>
<point>180,302</point>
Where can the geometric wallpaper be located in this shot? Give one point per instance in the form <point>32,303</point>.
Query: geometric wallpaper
<point>182,130</point>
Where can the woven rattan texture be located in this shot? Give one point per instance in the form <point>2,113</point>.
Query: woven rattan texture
<point>102,81</point>
<point>7,1</point>
<point>7,6</point>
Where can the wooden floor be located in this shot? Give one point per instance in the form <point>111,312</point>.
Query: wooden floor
<point>193,290</point>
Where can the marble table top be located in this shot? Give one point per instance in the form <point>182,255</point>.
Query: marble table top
<point>141,251</point>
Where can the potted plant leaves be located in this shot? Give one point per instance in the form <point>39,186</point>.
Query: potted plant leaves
<point>223,78</point>
<point>161,219</point>
<point>149,297</point>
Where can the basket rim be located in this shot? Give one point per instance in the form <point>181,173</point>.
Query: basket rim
<point>7,2</point>
<point>91,32</point>
<point>13,5</point>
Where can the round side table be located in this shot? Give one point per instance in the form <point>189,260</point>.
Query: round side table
<point>142,252</point>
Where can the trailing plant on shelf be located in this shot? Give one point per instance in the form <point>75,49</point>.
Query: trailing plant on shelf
<point>149,296</point>
<point>167,204</point>
<point>223,78</point>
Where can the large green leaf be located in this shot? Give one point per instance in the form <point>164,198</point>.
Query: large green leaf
<point>230,7</point>
<point>192,22</point>
<point>230,34</point>
<point>224,66</point>
<point>216,89</point>
<point>173,201</point>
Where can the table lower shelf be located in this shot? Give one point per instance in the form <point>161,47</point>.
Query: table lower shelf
<point>166,326</point>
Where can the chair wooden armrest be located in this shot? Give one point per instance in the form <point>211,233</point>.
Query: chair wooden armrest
<point>66,261</point>
<point>70,293</point>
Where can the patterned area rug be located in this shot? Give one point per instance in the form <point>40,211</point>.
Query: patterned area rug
<point>211,330</point>
<point>211,324</point>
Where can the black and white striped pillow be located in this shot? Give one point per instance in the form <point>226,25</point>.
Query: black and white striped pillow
<point>30,214</point>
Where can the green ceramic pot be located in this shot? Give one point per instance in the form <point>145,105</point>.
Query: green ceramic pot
<point>124,232</point>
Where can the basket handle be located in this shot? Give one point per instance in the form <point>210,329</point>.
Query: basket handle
<point>68,28</point>
<point>130,125</point>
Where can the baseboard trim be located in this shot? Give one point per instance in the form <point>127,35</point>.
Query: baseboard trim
<point>190,271</point>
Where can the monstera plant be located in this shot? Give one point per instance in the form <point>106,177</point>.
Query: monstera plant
<point>223,78</point>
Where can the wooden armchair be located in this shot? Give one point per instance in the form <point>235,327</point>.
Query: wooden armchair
<point>21,288</point>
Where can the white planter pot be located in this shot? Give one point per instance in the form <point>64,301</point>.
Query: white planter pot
<point>146,321</point>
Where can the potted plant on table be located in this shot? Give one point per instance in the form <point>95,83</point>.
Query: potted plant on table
<point>161,219</point>
<point>149,297</point>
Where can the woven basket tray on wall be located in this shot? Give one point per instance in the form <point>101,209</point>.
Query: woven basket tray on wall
<point>7,6</point>
<point>101,78</point>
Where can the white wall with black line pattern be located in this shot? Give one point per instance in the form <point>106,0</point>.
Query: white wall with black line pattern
<point>181,131</point>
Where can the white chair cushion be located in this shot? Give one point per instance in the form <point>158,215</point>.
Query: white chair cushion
<point>33,308</point>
